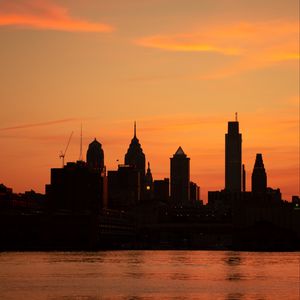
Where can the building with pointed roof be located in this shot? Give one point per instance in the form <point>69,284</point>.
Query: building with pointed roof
<point>135,156</point>
<point>180,178</point>
<point>148,184</point>
<point>259,176</point>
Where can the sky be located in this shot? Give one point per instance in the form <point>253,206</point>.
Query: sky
<point>180,68</point>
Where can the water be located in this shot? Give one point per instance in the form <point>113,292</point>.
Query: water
<point>148,275</point>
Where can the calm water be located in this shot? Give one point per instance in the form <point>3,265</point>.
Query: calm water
<point>147,275</point>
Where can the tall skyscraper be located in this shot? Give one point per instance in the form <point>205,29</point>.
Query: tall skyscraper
<point>259,176</point>
<point>95,156</point>
<point>233,157</point>
<point>180,178</point>
<point>135,156</point>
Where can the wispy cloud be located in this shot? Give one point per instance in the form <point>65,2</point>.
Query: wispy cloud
<point>45,15</point>
<point>253,45</point>
<point>185,43</point>
<point>30,125</point>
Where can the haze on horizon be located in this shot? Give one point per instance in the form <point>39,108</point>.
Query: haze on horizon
<point>180,68</point>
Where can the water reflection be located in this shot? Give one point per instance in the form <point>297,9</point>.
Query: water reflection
<point>149,275</point>
<point>134,264</point>
<point>233,261</point>
<point>180,257</point>
<point>235,296</point>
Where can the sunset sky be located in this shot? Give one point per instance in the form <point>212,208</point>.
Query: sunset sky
<point>180,68</point>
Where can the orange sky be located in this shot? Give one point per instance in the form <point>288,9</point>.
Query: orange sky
<point>181,68</point>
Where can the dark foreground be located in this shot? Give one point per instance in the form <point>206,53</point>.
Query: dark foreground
<point>71,232</point>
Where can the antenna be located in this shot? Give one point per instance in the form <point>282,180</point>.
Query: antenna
<point>80,153</point>
<point>134,128</point>
<point>63,154</point>
<point>236,116</point>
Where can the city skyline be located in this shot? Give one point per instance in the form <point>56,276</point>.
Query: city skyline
<point>135,142</point>
<point>181,69</point>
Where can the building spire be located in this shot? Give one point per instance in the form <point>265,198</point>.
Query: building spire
<point>236,116</point>
<point>134,128</point>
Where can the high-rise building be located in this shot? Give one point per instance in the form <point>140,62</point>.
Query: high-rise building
<point>95,156</point>
<point>233,158</point>
<point>259,176</point>
<point>180,178</point>
<point>135,156</point>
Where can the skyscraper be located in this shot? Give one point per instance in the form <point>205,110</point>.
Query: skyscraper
<point>233,157</point>
<point>95,156</point>
<point>180,177</point>
<point>259,176</point>
<point>135,156</point>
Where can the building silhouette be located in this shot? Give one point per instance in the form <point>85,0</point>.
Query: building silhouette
<point>259,176</point>
<point>80,186</point>
<point>194,192</point>
<point>180,178</point>
<point>233,158</point>
<point>135,156</point>
<point>95,156</point>
<point>124,188</point>
<point>148,184</point>
<point>75,188</point>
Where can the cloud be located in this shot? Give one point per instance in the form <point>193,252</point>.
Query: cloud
<point>184,43</point>
<point>30,125</point>
<point>252,45</point>
<point>45,15</point>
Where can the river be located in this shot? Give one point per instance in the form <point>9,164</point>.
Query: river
<point>149,275</point>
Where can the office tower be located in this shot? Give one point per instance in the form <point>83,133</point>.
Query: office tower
<point>259,176</point>
<point>135,156</point>
<point>95,156</point>
<point>233,157</point>
<point>180,178</point>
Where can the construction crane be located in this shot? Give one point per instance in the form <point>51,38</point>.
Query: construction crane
<point>63,154</point>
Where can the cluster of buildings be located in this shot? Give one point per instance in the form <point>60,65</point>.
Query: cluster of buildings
<point>88,185</point>
<point>87,206</point>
